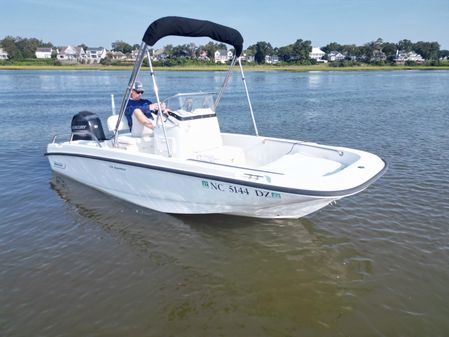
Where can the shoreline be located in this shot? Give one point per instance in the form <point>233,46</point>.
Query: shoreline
<point>291,68</point>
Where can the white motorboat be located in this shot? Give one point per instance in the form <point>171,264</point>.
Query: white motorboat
<point>188,166</point>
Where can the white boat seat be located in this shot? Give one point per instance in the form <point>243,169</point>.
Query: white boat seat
<point>142,144</point>
<point>112,122</point>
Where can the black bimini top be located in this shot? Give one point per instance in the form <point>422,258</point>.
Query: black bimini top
<point>179,26</point>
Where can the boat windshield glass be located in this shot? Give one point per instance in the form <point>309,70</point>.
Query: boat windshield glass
<point>191,102</point>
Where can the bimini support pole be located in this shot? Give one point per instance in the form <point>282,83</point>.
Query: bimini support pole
<point>113,104</point>
<point>225,83</point>
<point>247,96</point>
<point>135,72</point>
<point>159,120</point>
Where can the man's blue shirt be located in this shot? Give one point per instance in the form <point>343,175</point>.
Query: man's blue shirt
<point>142,104</point>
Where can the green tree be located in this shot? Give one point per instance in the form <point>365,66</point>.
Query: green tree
<point>371,49</point>
<point>444,53</point>
<point>296,52</point>
<point>285,53</point>
<point>405,45</point>
<point>301,50</point>
<point>390,50</point>
<point>124,47</point>
<point>168,49</point>
<point>350,50</point>
<point>19,48</point>
<point>211,48</point>
<point>9,45</point>
<point>333,46</point>
<point>28,46</point>
<point>260,50</point>
<point>428,50</point>
<point>184,50</point>
<point>178,51</point>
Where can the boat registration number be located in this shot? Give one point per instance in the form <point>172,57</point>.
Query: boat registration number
<point>235,189</point>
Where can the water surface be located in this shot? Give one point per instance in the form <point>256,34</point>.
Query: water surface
<point>75,262</point>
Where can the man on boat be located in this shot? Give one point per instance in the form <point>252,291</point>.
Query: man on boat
<point>139,112</point>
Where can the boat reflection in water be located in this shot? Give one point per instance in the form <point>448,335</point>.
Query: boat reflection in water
<point>298,240</point>
<point>198,266</point>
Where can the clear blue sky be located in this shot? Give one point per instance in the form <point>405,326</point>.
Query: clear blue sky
<point>101,22</point>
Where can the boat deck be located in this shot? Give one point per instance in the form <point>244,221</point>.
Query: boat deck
<point>301,165</point>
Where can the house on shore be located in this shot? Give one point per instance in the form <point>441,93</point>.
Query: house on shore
<point>159,54</point>
<point>271,59</point>
<point>223,56</point>
<point>247,58</point>
<point>335,56</point>
<point>402,57</point>
<point>43,53</point>
<point>72,54</point>
<point>3,54</point>
<point>95,55</point>
<point>131,57</point>
<point>317,54</point>
<point>116,55</point>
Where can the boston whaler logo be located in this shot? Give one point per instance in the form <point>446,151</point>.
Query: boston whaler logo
<point>57,164</point>
<point>236,189</point>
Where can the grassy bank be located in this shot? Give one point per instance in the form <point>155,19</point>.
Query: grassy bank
<point>264,67</point>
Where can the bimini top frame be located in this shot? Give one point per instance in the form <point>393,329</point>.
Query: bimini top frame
<point>179,26</point>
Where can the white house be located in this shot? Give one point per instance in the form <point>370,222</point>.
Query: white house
<point>223,56</point>
<point>247,58</point>
<point>3,54</point>
<point>335,56</point>
<point>317,54</point>
<point>402,57</point>
<point>133,55</point>
<point>95,55</point>
<point>43,53</point>
<point>71,54</point>
<point>117,55</point>
<point>159,54</point>
<point>271,59</point>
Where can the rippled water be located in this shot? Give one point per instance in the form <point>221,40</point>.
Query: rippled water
<point>75,262</point>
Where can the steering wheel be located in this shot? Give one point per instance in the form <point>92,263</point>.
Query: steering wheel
<point>169,117</point>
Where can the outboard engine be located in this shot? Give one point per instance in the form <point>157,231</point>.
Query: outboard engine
<point>85,124</point>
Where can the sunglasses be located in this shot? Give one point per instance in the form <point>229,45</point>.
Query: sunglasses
<point>139,92</point>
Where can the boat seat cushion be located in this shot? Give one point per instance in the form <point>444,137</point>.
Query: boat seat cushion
<point>112,122</point>
<point>142,144</point>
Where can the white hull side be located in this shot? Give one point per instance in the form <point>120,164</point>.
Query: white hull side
<point>183,193</point>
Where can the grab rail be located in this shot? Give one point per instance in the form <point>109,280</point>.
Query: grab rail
<point>340,153</point>
<point>80,133</point>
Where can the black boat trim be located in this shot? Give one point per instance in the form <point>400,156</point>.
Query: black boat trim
<point>190,118</point>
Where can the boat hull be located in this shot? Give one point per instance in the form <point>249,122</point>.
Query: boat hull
<point>184,192</point>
